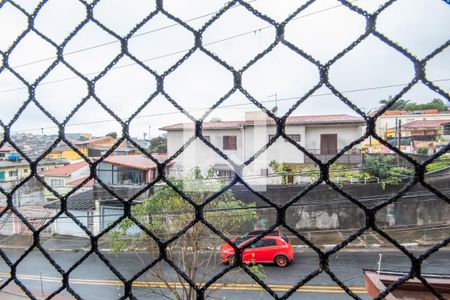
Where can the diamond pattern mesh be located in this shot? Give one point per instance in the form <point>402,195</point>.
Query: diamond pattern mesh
<point>370,213</point>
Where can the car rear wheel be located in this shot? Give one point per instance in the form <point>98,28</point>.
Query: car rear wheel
<point>281,261</point>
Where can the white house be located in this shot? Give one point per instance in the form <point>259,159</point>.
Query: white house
<point>322,135</point>
<point>63,179</point>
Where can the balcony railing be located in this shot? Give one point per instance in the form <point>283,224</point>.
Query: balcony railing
<point>353,156</point>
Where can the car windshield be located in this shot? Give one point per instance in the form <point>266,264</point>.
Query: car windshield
<point>239,240</point>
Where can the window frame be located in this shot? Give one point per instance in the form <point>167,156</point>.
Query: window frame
<point>227,144</point>
<point>291,136</point>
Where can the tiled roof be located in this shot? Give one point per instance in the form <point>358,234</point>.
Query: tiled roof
<point>80,180</point>
<point>306,120</point>
<point>140,162</point>
<point>65,170</point>
<point>413,112</point>
<point>422,144</point>
<point>82,201</point>
<point>94,140</point>
<point>7,148</point>
<point>426,124</point>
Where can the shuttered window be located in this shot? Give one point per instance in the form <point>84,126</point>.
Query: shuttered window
<point>229,142</point>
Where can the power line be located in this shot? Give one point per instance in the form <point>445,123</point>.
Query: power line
<point>134,36</point>
<point>161,56</point>
<point>231,105</point>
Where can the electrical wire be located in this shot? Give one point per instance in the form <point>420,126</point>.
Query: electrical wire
<point>223,106</point>
<point>177,24</point>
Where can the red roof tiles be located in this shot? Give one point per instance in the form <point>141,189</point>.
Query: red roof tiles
<point>307,120</point>
<point>140,162</point>
<point>76,182</point>
<point>426,124</point>
<point>7,148</point>
<point>64,170</point>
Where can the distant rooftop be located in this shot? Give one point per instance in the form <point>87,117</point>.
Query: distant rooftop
<point>65,170</point>
<point>6,149</point>
<point>81,201</point>
<point>94,140</point>
<point>413,112</point>
<point>293,120</point>
<point>78,181</point>
<point>426,124</point>
<point>139,162</point>
<point>23,163</point>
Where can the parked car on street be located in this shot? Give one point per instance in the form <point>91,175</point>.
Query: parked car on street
<point>274,248</point>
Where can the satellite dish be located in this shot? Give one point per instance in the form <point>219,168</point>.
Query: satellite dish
<point>275,109</point>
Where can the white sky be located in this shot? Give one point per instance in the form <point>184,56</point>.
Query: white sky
<point>322,30</point>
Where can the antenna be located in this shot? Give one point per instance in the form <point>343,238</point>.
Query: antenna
<point>275,108</point>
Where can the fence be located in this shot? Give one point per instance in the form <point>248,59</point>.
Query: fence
<point>323,68</point>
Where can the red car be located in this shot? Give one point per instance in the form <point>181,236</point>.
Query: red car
<point>273,248</point>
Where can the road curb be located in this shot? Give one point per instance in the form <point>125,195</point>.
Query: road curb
<point>297,248</point>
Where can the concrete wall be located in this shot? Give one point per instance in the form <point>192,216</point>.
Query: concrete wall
<point>66,226</point>
<point>324,208</point>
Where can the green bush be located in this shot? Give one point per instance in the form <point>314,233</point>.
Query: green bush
<point>423,151</point>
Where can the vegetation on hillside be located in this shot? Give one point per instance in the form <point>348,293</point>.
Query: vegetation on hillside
<point>403,104</point>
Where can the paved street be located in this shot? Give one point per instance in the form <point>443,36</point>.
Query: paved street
<point>93,273</point>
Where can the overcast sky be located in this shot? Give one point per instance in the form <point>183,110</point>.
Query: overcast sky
<point>322,30</point>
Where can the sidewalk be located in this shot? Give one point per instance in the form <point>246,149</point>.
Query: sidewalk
<point>325,241</point>
<point>54,243</point>
<point>13,292</point>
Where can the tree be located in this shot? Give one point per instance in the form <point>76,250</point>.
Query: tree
<point>216,119</point>
<point>382,167</point>
<point>434,104</point>
<point>112,134</point>
<point>398,105</point>
<point>196,251</point>
<point>158,144</point>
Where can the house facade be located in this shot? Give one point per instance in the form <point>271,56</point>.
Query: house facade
<point>322,135</point>
<point>17,170</point>
<point>65,152</point>
<point>5,151</point>
<point>61,179</point>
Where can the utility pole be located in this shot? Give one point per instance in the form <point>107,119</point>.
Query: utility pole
<point>399,138</point>
<point>275,108</point>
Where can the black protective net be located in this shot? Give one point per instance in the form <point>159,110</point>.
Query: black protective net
<point>370,213</point>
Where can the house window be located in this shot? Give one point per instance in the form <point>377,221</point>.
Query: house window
<point>265,172</point>
<point>295,137</point>
<point>229,142</point>
<point>117,175</point>
<point>13,173</point>
<point>225,173</point>
<point>56,182</point>
<point>90,220</point>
